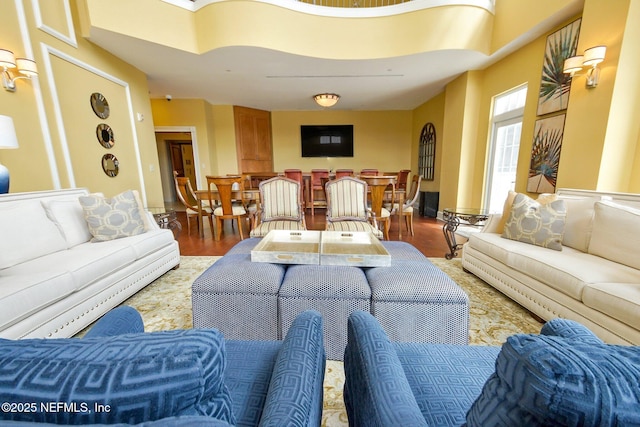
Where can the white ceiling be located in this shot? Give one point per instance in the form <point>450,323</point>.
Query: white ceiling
<point>272,80</point>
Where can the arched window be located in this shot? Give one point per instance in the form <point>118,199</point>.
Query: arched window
<point>427,154</point>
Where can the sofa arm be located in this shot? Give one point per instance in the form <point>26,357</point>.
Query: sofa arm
<point>491,225</point>
<point>296,388</point>
<point>376,390</point>
<point>121,320</point>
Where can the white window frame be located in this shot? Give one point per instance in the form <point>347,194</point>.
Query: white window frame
<point>507,118</point>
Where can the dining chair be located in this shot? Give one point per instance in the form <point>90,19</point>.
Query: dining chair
<point>403,177</point>
<point>317,184</point>
<point>347,207</point>
<point>255,178</point>
<point>408,206</point>
<point>378,186</point>
<point>369,172</point>
<point>280,207</point>
<point>188,198</point>
<point>296,175</point>
<point>343,172</point>
<point>227,209</point>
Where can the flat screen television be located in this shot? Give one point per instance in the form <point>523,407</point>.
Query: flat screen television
<point>327,140</point>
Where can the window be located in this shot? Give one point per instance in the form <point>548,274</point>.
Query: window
<point>427,153</point>
<point>504,146</point>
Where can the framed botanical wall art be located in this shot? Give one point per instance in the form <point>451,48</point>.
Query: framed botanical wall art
<point>545,154</point>
<point>554,84</point>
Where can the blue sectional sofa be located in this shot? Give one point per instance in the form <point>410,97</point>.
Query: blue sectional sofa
<point>565,376</point>
<point>118,375</point>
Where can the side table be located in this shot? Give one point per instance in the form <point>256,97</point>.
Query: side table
<point>168,220</point>
<point>452,218</point>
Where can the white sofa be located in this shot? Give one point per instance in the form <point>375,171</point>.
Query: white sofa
<point>53,280</point>
<point>594,279</point>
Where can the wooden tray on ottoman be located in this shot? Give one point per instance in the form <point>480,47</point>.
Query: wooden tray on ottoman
<point>288,247</point>
<point>357,249</point>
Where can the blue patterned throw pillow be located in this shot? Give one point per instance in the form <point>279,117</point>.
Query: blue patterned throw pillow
<point>122,379</point>
<point>552,381</point>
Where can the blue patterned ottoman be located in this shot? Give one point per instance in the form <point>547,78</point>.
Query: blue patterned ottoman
<point>415,301</point>
<point>238,297</point>
<point>333,290</point>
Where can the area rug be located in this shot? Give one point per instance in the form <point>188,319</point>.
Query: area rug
<point>166,304</point>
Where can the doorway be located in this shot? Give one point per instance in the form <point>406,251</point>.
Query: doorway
<point>177,150</point>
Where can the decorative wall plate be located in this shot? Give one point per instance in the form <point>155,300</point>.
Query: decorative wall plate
<point>110,165</point>
<point>100,105</point>
<point>105,135</point>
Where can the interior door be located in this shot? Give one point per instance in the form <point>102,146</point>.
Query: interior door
<point>253,140</point>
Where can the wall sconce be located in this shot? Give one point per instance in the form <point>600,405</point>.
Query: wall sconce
<point>592,57</point>
<point>326,99</point>
<point>26,68</point>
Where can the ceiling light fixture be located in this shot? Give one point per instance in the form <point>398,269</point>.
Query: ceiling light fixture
<point>591,58</point>
<point>326,99</point>
<point>26,68</point>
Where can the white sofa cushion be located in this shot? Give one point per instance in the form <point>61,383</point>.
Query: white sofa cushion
<point>616,233</point>
<point>113,218</point>
<point>26,293</point>
<point>87,263</point>
<point>579,222</point>
<point>27,231</point>
<point>618,300</point>
<point>69,217</point>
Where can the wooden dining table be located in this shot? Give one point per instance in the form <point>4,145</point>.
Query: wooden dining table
<point>248,194</point>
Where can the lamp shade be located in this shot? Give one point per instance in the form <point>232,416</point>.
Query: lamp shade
<point>7,60</point>
<point>326,99</point>
<point>573,64</point>
<point>8,138</point>
<point>594,55</point>
<point>27,67</point>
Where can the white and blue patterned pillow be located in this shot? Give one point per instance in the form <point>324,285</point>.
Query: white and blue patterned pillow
<point>554,381</point>
<point>113,218</point>
<point>141,377</point>
<point>540,224</point>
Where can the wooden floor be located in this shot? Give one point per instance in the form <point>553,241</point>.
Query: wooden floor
<point>428,237</point>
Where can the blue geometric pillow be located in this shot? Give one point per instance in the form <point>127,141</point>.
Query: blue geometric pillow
<point>551,381</point>
<point>569,329</point>
<point>141,377</point>
<point>81,392</point>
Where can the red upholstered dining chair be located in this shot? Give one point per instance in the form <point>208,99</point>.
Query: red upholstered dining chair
<point>227,209</point>
<point>369,172</point>
<point>280,207</point>
<point>403,177</point>
<point>296,175</point>
<point>347,207</point>
<point>378,186</point>
<point>317,185</point>
<point>343,172</point>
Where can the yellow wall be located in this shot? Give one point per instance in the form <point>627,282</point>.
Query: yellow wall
<point>54,121</point>
<point>431,111</point>
<point>382,139</point>
<point>56,127</point>
<point>600,144</point>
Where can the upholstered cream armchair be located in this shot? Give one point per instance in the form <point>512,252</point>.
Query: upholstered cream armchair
<point>280,207</point>
<point>347,207</point>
